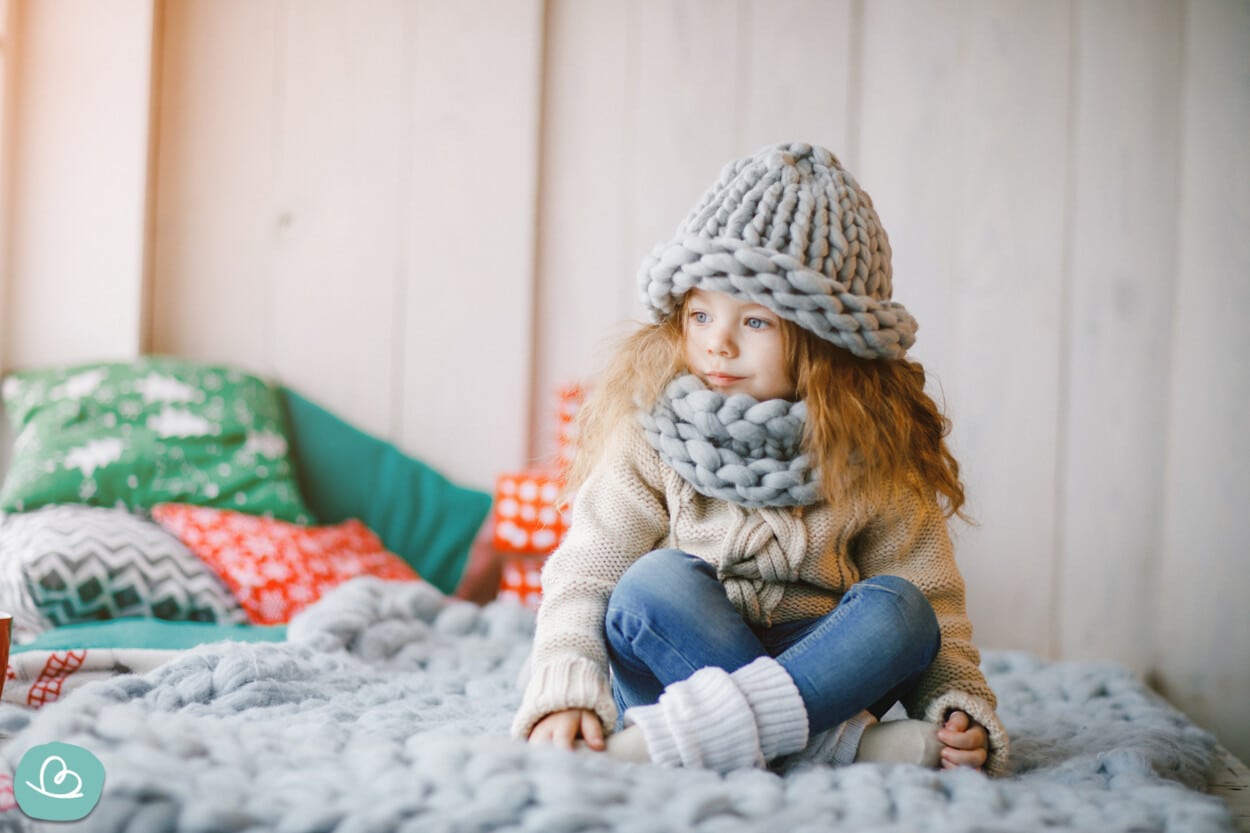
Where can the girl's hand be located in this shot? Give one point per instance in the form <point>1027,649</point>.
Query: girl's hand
<point>964,742</point>
<point>564,727</point>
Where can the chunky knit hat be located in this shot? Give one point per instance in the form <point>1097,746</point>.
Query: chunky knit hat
<point>790,229</point>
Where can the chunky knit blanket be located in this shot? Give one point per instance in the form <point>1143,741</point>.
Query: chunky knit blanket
<point>388,710</point>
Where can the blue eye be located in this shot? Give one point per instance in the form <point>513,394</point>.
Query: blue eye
<point>756,323</point>
<point>699,316</point>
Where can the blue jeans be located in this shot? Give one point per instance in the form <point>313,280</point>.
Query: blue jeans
<point>669,616</point>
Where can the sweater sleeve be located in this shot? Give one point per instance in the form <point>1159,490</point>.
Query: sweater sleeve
<point>619,515</point>
<point>911,541</point>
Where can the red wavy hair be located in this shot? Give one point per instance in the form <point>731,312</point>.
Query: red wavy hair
<point>871,427</point>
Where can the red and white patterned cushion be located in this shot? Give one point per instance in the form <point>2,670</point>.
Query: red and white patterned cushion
<point>274,568</point>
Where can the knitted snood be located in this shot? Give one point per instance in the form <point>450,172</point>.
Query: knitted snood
<point>735,447</point>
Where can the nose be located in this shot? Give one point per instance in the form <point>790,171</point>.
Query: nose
<point>720,342</point>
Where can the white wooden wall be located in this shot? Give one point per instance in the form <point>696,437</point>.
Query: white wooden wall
<point>1203,619</point>
<point>345,199</point>
<point>428,215</point>
<point>7,64</point>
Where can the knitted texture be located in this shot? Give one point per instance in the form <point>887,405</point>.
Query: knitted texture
<point>387,713</point>
<point>839,744</point>
<point>776,565</point>
<point>852,731</point>
<point>703,722</point>
<point>735,448</point>
<point>780,714</point>
<point>788,228</point>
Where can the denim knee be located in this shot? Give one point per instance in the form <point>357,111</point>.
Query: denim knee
<point>916,615</point>
<point>652,579</point>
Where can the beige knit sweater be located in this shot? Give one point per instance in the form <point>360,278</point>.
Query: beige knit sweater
<point>777,565</point>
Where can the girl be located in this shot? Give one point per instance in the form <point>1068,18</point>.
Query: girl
<point>759,561</point>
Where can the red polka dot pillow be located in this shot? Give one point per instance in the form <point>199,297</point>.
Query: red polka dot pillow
<point>274,568</point>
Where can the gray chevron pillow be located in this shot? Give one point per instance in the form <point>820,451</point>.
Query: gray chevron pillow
<point>15,597</point>
<point>83,563</point>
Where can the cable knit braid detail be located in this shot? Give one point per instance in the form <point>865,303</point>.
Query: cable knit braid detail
<point>734,448</point>
<point>790,229</point>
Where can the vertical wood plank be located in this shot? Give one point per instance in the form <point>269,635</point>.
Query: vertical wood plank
<point>216,224</point>
<point>340,194</point>
<point>796,74</point>
<point>79,194</point>
<point>8,10</point>
<point>8,85</point>
<point>911,132</point>
<point>1203,634</point>
<point>585,260</point>
<point>963,146</point>
<point>1123,251</point>
<point>686,102</point>
<point>468,330</point>
<point>1005,382</point>
<point>7,51</point>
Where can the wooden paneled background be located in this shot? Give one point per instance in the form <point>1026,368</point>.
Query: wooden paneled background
<point>428,214</point>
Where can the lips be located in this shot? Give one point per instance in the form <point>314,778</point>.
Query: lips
<point>723,378</point>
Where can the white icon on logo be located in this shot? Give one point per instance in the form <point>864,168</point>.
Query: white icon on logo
<point>58,779</point>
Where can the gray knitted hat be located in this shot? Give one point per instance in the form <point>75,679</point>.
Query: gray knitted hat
<point>790,229</point>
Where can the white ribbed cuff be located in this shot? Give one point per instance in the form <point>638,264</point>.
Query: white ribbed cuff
<point>846,744</point>
<point>661,745</point>
<point>577,683</point>
<point>780,714</point>
<point>703,721</point>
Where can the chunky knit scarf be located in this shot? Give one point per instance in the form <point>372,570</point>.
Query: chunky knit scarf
<point>734,448</point>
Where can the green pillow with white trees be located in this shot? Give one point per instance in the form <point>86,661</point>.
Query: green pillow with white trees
<point>154,430</point>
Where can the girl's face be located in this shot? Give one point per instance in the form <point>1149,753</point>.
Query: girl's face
<point>736,346</point>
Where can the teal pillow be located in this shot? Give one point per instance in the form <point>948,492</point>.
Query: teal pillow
<point>155,430</point>
<point>148,634</point>
<point>418,513</point>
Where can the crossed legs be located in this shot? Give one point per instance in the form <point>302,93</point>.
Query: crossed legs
<point>669,620</point>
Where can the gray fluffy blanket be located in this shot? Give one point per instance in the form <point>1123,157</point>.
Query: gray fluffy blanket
<point>388,711</point>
